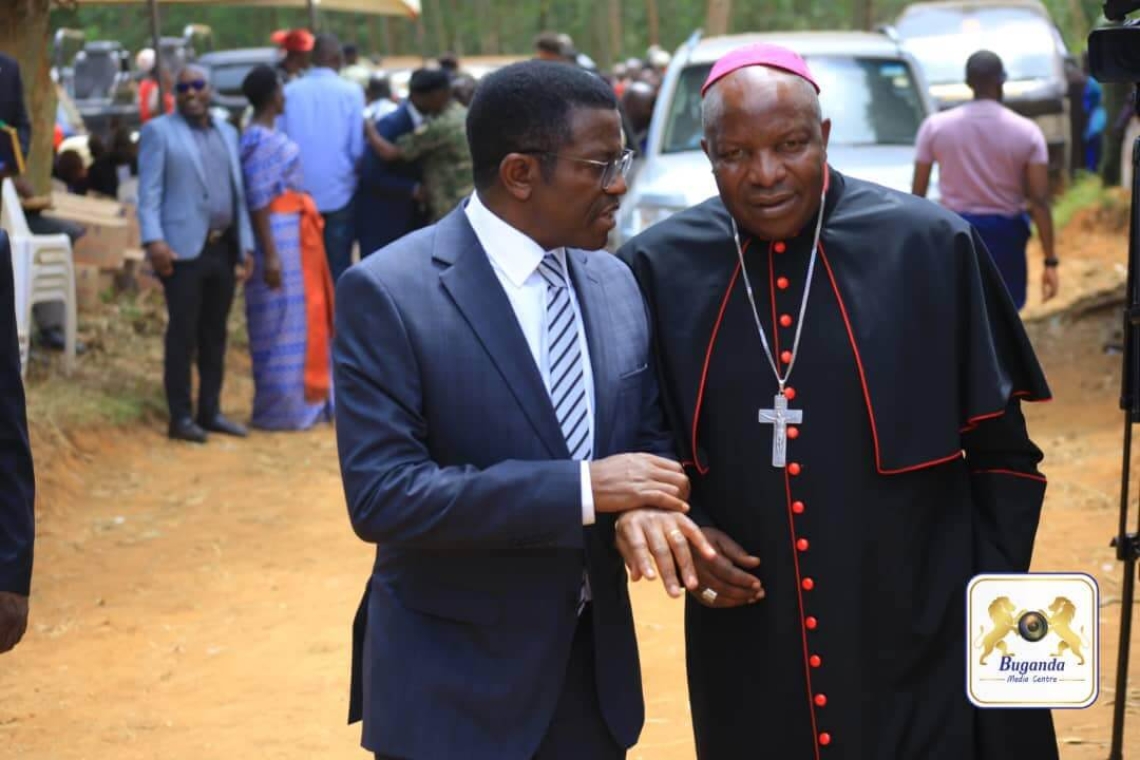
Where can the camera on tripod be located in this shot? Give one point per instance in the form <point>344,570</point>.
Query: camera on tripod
<point>1114,51</point>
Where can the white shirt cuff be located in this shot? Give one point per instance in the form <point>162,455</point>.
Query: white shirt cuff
<point>587,495</point>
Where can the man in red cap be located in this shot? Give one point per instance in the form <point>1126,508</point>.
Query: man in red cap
<point>297,44</point>
<point>843,371</point>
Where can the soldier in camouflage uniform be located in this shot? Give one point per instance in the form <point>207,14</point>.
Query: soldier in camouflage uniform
<point>440,144</point>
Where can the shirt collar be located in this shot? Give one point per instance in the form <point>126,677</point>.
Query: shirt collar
<point>517,255</point>
<point>417,117</point>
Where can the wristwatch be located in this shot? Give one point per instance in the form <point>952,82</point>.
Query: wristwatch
<point>1052,261</point>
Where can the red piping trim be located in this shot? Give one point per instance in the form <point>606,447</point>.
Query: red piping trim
<point>708,358</point>
<point>863,382</point>
<point>1026,475</point>
<point>800,600</point>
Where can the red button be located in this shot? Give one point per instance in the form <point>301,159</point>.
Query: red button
<point>815,661</point>
<point>811,623</point>
<point>786,357</point>
<point>793,433</point>
<point>821,700</point>
<point>802,544</point>
<point>825,738</point>
<point>780,247</point>
<point>798,507</point>
<point>789,393</point>
<point>782,283</point>
<point>785,320</point>
<point>808,584</point>
<point>794,468</point>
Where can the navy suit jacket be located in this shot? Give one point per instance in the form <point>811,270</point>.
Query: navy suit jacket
<point>17,481</point>
<point>13,112</point>
<point>455,466</point>
<point>385,209</point>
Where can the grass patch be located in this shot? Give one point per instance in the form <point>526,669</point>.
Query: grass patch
<point>1086,192</point>
<point>117,381</point>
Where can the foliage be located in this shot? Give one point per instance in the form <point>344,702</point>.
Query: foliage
<point>508,26</point>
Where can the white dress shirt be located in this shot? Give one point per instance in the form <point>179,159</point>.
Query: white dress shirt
<point>515,259</point>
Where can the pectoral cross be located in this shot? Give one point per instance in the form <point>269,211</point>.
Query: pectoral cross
<point>779,417</point>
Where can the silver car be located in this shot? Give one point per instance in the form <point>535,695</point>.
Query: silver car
<point>871,90</point>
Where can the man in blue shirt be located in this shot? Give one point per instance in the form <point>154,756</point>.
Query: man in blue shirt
<point>324,115</point>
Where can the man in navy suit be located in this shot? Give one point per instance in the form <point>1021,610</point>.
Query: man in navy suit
<point>390,196</point>
<point>195,227</point>
<point>494,388</point>
<point>17,482</point>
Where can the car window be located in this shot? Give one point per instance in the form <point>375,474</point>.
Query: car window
<point>226,79</point>
<point>870,101</point>
<point>943,38</point>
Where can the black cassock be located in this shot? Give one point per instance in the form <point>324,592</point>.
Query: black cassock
<point>910,473</point>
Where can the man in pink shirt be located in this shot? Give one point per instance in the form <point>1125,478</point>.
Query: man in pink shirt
<point>991,163</point>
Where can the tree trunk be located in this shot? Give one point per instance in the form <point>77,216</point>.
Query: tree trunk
<point>438,27</point>
<point>487,27</point>
<point>864,14</point>
<point>653,22</point>
<point>615,32</point>
<point>718,17</point>
<point>1115,96</point>
<point>24,34</point>
<point>386,33</point>
<point>455,39</point>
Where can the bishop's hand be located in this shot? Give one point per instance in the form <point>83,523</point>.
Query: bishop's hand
<point>726,574</point>
<point>648,537</point>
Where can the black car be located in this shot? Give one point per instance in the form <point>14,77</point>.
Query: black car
<point>227,69</point>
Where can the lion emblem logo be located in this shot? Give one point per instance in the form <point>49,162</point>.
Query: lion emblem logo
<point>1060,618</point>
<point>1003,614</point>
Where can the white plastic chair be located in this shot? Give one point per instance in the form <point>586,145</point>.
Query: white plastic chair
<point>45,274</point>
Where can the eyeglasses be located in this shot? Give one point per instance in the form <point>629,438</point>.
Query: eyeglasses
<point>196,84</point>
<point>611,170</point>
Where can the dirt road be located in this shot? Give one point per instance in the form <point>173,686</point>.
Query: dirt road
<point>196,602</point>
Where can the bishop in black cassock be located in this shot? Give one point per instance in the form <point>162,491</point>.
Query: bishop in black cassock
<point>910,472</point>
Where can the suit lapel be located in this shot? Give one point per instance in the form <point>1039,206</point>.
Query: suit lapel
<point>477,293</point>
<point>182,129</point>
<point>591,292</point>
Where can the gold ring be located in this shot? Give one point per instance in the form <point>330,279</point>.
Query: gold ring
<point>709,595</point>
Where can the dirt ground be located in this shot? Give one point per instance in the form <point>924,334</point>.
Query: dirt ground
<point>196,602</point>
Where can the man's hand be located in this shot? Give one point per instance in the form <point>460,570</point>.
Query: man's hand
<point>13,619</point>
<point>1050,283</point>
<point>629,481</point>
<point>645,536</point>
<point>725,573</point>
<point>245,268</point>
<point>161,258</point>
<point>272,273</point>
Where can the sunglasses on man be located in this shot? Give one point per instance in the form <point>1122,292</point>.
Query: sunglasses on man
<point>197,85</point>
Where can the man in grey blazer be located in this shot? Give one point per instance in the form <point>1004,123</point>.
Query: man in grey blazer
<point>493,389</point>
<point>195,227</point>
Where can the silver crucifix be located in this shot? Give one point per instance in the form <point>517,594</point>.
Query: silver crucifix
<point>779,417</point>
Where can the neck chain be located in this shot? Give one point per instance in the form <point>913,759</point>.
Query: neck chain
<point>781,380</point>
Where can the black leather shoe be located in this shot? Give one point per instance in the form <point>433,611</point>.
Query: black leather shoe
<point>54,339</point>
<point>186,430</point>
<point>220,424</point>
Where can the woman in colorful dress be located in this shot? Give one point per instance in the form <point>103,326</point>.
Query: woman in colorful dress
<point>289,300</point>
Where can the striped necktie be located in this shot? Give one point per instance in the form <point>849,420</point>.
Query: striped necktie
<point>564,357</point>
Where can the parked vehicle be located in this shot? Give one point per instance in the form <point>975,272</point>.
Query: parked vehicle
<point>228,69</point>
<point>97,78</point>
<point>872,90</point>
<point>942,35</point>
